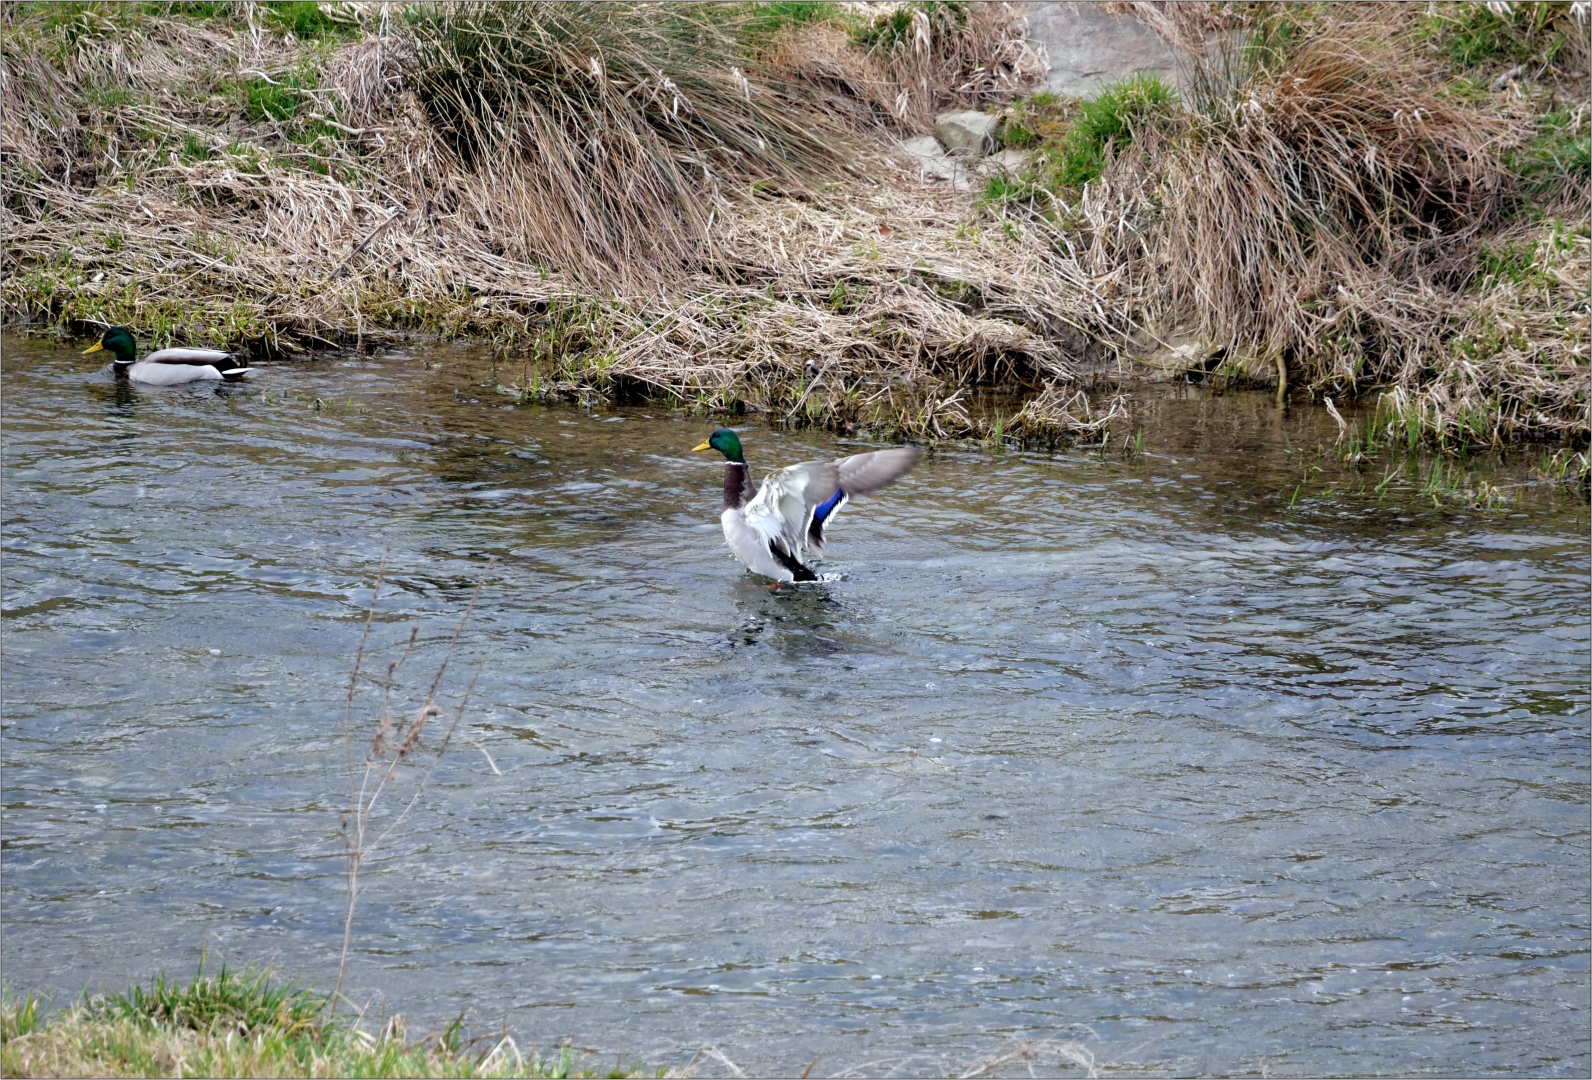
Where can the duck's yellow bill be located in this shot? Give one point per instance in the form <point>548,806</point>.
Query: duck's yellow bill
<point>96,347</point>
<point>699,449</point>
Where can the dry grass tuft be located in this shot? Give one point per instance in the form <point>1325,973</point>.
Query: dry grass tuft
<point>708,213</point>
<point>935,56</point>
<point>362,836</point>
<point>603,136</point>
<point>1292,175</point>
<point>1320,210</point>
<point>1183,24</point>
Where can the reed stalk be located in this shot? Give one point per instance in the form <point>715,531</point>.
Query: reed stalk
<point>386,753</point>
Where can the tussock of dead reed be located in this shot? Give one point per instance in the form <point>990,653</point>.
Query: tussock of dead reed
<point>907,62</point>
<point>1319,211</point>
<point>655,199</point>
<point>606,132</point>
<point>376,196</point>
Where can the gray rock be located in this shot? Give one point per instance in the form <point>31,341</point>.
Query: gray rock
<point>934,164</point>
<point>1088,48</point>
<point>945,169</point>
<point>966,132</point>
<point>1011,161</point>
<point>924,146</point>
<point>1172,353</point>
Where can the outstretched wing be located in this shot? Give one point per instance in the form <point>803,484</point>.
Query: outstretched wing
<point>863,474</point>
<point>782,510</point>
<point>860,474</point>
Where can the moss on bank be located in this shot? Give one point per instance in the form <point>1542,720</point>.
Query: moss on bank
<point>228,1024</point>
<point>1343,203</point>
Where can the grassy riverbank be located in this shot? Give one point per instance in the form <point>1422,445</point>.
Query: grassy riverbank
<point>1370,200</point>
<point>249,1025</point>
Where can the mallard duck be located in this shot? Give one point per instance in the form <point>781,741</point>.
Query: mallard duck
<point>776,528</point>
<point>166,367</point>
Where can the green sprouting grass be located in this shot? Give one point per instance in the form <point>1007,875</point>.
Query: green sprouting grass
<point>1106,124</point>
<point>1003,188</point>
<point>1531,261</point>
<point>1042,117</point>
<point>265,100</point>
<point>1566,466</point>
<point>247,1025</point>
<point>193,149</point>
<point>893,29</point>
<point>251,1001</point>
<point>766,21</point>
<point>1474,34</point>
<point>109,96</point>
<point>1510,261</point>
<point>1018,134</point>
<point>282,99</point>
<point>307,20</point>
<point>198,10</point>
<point>1560,154</point>
<point>18,1018</point>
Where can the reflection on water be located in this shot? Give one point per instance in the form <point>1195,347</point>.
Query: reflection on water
<point>1127,751</point>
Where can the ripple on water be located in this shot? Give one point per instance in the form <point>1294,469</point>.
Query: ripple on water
<point>1124,752</point>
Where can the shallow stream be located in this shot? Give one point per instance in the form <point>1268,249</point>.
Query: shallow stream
<point>1196,758</point>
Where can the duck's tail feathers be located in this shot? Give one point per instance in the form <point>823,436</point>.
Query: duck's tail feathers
<point>234,374</point>
<point>790,562</point>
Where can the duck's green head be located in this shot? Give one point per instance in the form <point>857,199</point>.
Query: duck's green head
<point>725,442</point>
<point>119,340</point>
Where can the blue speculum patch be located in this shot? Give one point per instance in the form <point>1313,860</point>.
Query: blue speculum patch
<point>821,514</point>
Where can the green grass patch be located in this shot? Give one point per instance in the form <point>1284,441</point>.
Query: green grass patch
<point>1558,156</point>
<point>894,29</point>
<point>247,1002</point>
<point>309,21</point>
<point>109,96</point>
<point>1472,34</point>
<point>1001,188</point>
<point>197,10</point>
<point>1509,261</point>
<point>60,31</point>
<point>283,99</point>
<point>1105,124</point>
<point>271,100</point>
<point>766,21</point>
<point>193,149</point>
<point>1529,262</point>
<point>248,1025</point>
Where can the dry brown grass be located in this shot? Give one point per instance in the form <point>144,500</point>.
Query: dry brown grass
<point>1183,24</point>
<point>601,137</point>
<point>1319,212</point>
<point>1332,164</point>
<point>392,742</point>
<point>862,303</point>
<point>912,62</point>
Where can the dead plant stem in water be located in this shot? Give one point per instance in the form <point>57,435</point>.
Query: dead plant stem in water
<point>381,762</point>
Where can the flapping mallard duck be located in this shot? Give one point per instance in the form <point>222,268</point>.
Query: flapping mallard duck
<point>776,528</point>
<point>166,367</point>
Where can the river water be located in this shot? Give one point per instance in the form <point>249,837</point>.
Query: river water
<point>1165,755</point>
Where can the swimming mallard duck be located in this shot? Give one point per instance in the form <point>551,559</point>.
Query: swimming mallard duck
<point>166,367</point>
<point>774,529</point>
